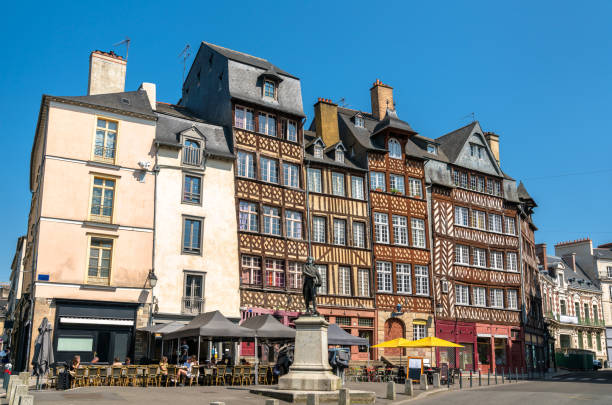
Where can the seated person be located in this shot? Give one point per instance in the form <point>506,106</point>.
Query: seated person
<point>74,364</point>
<point>128,362</point>
<point>117,362</point>
<point>163,366</point>
<point>185,373</point>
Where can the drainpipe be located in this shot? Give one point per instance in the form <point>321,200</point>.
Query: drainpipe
<point>155,173</point>
<point>373,258</point>
<point>523,313</point>
<point>308,208</point>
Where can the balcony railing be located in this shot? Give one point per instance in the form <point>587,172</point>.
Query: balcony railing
<point>104,154</point>
<point>192,156</point>
<point>193,305</point>
<point>574,320</point>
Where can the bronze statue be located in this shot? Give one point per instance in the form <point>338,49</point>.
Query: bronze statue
<point>312,280</point>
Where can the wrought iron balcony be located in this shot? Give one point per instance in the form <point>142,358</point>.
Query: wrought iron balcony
<point>192,156</point>
<point>104,154</point>
<point>193,305</point>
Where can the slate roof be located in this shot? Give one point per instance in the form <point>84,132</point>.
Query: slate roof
<point>603,253</point>
<point>392,121</point>
<point>568,274</point>
<point>309,137</point>
<point>135,102</point>
<point>453,142</point>
<point>523,194</point>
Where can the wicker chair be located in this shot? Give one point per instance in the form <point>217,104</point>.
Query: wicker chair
<point>220,376</point>
<point>80,377</point>
<point>172,375</point>
<point>207,376</point>
<point>195,374</point>
<point>116,377</point>
<point>153,375</point>
<point>93,375</point>
<point>262,374</point>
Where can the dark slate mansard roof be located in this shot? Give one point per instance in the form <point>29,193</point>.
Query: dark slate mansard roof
<point>131,102</point>
<point>568,273</point>
<point>310,137</point>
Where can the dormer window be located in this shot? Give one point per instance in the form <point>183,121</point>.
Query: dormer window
<point>431,148</point>
<point>192,153</point>
<point>339,156</point>
<point>359,122</point>
<point>476,151</point>
<point>395,150</point>
<point>318,151</point>
<point>269,89</point>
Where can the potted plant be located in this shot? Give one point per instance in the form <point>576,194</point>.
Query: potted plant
<point>378,189</point>
<point>395,191</point>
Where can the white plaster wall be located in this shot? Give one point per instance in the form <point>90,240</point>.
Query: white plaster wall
<point>606,284</point>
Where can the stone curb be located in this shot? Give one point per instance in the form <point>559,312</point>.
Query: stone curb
<point>441,390</point>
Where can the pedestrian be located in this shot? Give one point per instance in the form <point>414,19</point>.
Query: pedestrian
<point>128,362</point>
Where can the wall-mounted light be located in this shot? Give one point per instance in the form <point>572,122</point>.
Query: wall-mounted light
<point>152,278</point>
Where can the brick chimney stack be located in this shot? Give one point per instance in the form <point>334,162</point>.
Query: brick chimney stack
<point>541,254</point>
<point>570,259</point>
<point>106,73</point>
<point>326,121</point>
<point>381,96</point>
<point>493,141</point>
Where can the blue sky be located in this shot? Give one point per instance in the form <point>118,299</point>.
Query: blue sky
<point>537,73</point>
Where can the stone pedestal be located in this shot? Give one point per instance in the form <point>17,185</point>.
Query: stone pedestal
<point>310,370</point>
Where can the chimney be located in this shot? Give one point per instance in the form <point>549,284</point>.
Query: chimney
<point>493,141</point>
<point>106,73</point>
<point>149,88</point>
<point>570,259</point>
<point>326,121</point>
<point>381,96</point>
<point>541,254</point>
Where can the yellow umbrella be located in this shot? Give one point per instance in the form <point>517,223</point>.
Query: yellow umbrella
<point>399,342</point>
<point>430,341</point>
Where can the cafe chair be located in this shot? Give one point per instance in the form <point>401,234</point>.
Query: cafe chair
<point>220,377</point>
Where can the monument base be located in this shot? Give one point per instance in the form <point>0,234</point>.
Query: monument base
<point>297,396</point>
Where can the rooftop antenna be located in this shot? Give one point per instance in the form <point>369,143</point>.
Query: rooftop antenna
<point>343,102</point>
<point>473,115</point>
<point>126,41</point>
<point>185,53</point>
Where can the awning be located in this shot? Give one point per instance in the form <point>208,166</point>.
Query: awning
<point>212,325</point>
<point>338,336</point>
<point>163,328</point>
<point>268,327</point>
<point>95,321</point>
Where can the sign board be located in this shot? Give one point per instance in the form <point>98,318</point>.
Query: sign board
<point>415,368</point>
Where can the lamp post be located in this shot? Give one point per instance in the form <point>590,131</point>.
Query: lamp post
<point>152,278</point>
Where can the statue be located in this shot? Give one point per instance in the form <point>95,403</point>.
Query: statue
<point>312,280</point>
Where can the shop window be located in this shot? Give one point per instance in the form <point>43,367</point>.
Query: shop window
<point>500,352</point>
<point>75,344</point>
<point>366,322</point>
<point>484,350</point>
<point>343,320</point>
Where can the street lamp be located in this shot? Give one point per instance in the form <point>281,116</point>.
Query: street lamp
<point>152,278</point>
<point>152,282</point>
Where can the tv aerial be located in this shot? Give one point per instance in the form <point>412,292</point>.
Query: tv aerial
<point>126,41</point>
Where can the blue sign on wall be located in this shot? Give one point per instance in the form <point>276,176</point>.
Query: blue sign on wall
<point>43,277</point>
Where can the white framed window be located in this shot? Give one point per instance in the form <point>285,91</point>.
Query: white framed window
<point>473,182</point>
<point>497,260</point>
<point>246,164</point>
<point>480,257</point>
<point>339,232</point>
<point>290,175</point>
<point>291,131</point>
<point>396,184</point>
<point>248,216</point>
<point>463,182</point>
<point>416,189</point>
<point>269,89</point>
<point>609,270</point>
<point>192,235</point>
<point>497,298</point>
<point>462,294</point>
<point>400,230</point>
<point>431,148</point>
<point>359,234</point>
<point>418,232</point>
<point>421,274</point>
<point>275,273</point>
<point>318,229</point>
<point>384,277</point>
<point>462,216</point>
<point>244,118</point>
<point>456,178</point>
<point>294,275</point>
<point>269,170</point>
<point>357,187</point>
<point>377,181</point>
<point>363,282</point>
<point>359,121</point>
<point>510,225</point>
<point>293,222</point>
<point>478,219</point>
<point>495,223</point>
<point>489,186</point>
<point>512,261</point>
<point>479,296</point>
<point>318,151</point>
<point>323,273</point>
<point>497,188</point>
<point>267,124</point>
<point>395,149</point>
<point>512,299</point>
<point>338,184</point>
<point>419,330</point>
<point>100,260</point>
<point>251,270</point>
<point>476,151</point>
<point>462,254</point>
<point>105,141</point>
<point>102,200</point>
<point>271,216</point>
<point>314,180</point>
<point>481,184</point>
<point>381,227</point>
<point>344,280</point>
<point>403,277</point>
<point>339,156</point>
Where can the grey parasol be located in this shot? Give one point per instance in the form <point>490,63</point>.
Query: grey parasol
<point>43,350</point>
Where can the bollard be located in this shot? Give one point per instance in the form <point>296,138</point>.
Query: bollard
<point>479,379</point>
<point>26,400</point>
<point>488,377</point>
<point>312,399</point>
<point>25,377</point>
<point>516,374</point>
<point>470,378</point>
<point>9,390</point>
<point>19,391</point>
<point>460,381</point>
<point>448,378</point>
<point>408,389</point>
<point>436,380</point>
<point>423,384</point>
<point>503,375</point>
<point>344,397</point>
<point>390,390</point>
<point>495,376</point>
<point>271,401</point>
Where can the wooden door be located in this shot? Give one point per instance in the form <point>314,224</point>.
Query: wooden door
<point>394,328</point>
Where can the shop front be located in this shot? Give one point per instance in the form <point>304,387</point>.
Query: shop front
<point>499,348</point>
<point>357,323</point>
<point>284,317</point>
<point>463,333</point>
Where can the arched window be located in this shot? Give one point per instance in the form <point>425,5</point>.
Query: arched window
<point>395,150</point>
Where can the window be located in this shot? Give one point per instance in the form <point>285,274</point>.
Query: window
<point>269,170</point>
<point>293,222</point>
<point>419,330</point>
<point>580,340</point>
<point>105,143</point>
<point>396,184</point>
<point>586,312</point>
<point>479,296</point>
<point>191,189</point>
<point>318,229</point>
<point>384,277</point>
<point>357,187</point>
<point>460,178</point>
<point>609,270</point>
<point>481,184</point>
<point>497,298</point>
<point>589,340</point>
<point>415,187</point>
<point>510,225</point>
<point>456,178</point>
<point>323,273</point>
<point>75,344</point>
<point>194,292</point>
<point>275,273</point>
<point>318,151</point>
<point>271,218</point>
<point>343,320</point>
<point>267,124</point>
<point>359,234</point>
<point>291,131</point>
<point>269,89</point>
<point>290,175</point>
<point>363,282</point>
<point>365,322</point>
<point>496,188</point>
<point>462,216</point>
<point>381,227</point>
<point>512,261</point>
<point>595,314</point>
<point>344,280</point>
<point>497,260</point>
<point>479,257</point>
<point>192,154</point>
<point>563,307</point>
<point>400,230</point>
<point>478,219</point>
<point>512,299</point>
<point>377,181</point>
<point>462,254</point>
<point>192,235</point>
<point>495,223</point>
<point>248,216</point>
<point>418,232</point>
<point>339,232</point>
<point>462,295</point>
<point>339,156</point>
<point>404,282</point>
<point>395,150</point>
<point>476,151</point>
<point>598,339</point>
<point>489,186</point>
<point>100,255</point>
<point>422,280</point>
<point>577,310</point>
<point>244,118</point>
<point>431,148</point>
<point>473,182</point>
<point>294,275</point>
<point>338,184</point>
<point>246,165</point>
<point>102,196</point>
<point>314,180</point>
<point>359,121</point>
